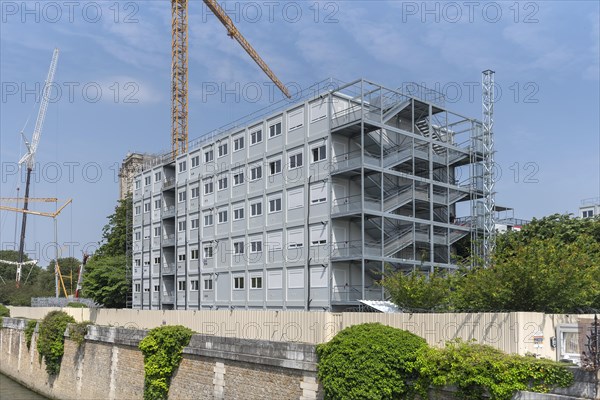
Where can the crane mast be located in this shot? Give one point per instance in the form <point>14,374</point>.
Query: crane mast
<point>179,77</point>
<point>28,158</point>
<point>179,67</point>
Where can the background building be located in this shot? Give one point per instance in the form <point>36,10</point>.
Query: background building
<point>304,208</point>
<point>131,166</point>
<point>589,207</point>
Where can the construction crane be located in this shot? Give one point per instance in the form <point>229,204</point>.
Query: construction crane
<point>28,158</point>
<point>80,275</point>
<point>26,211</point>
<point>179,67</point>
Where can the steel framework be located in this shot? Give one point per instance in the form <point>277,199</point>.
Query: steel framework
<point>489,230</point>
<point>179,77</point>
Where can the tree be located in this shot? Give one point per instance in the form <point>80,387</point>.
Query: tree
<point>417,291</point>
<point>114,234</point>
<point>105,279</point>
<point>546,275</point>
<point>35,281</point>
<point>551,265</point>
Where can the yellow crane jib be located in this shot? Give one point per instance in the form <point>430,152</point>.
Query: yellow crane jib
<point>234,33</point>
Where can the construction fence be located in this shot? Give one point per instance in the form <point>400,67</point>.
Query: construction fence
<point>553,336</point>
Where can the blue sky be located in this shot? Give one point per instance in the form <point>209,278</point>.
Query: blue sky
<point>114,80</point>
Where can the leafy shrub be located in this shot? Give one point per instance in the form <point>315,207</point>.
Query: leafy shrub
<point>29,329</point>
<point>51,340</point>
<point>4,311</point>
<point>78,331</point>
<point>76,304</point>
<point>163,350</point>
<point>477,369</point>
<point>369,361</point>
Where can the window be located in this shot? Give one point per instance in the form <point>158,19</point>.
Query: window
<point>256,282</point>
<point>181,286</point>
<point>157,260</point>
<point>208,219</point>
<point>208,284</point>
<point>147,180</point>
<point>182,196</point>
<point>295,278</point>
<point>157,231</point>
<point>319,153</point>
<point>256,209</point>
<point>295,238</point>
<point>138,262</point>
<point>256,137</point>
<point>181,257</point>
<point>256,246</point>
<point>318,110</point>
<point>156,288</point>
<point>147,207</point>
<point>209,156</point>
<point>138,236</point>
<point>318,193</point>
<point>194,254</point>
<point>157,176</point>
<point>222,149</point>
<point>295,161</point>
<point>208,251</point>
<point>222,216</point>
<point>195,192</point>
<point>238,282</point>
<point>138,210</point>
<point>274,279</point>
<point>138,288</point>
<point>181,226</point>
<point>275,205</point>
<point>295,119</point>
<point>195,223</point>
<point>223,183</point>
<point>318,235</point>
<point>275,240</point>
<point>194,285</point>
<point>238,214</point>
<point>195,161</point>
<point>318,277</point>
<point>275,130</point>
<point>208,188</point>
<point>182,166</point>
<point>256,173</point>
<point>238,178</point>
<point>138,184</point>
<point>238,247</point>
<point>238,143</point>
<point>587,214</point>
<point>295,198</point>
<point>275,167</point>
<point>157,204</point>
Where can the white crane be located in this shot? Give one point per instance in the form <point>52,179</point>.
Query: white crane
<point>28,158</point>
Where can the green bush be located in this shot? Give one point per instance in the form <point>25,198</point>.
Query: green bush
<point>29,329</point>
<point>477,369</point>
<point>76,304</point>
<point>163,350</point>
<point>369,361</point>
<point>51,340</point>
<point>78,331</point>
<point>4,311</point>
